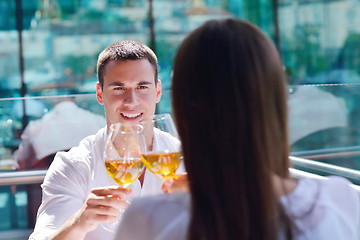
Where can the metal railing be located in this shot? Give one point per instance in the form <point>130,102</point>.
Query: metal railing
<point>328,153</point>
<point>22,177</point>
<point>324,169</point>
<point>306,166</point>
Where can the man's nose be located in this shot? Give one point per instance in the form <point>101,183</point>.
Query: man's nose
<point>131,97</point>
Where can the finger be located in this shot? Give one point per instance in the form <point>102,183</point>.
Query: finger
<point>165,187</point>
<point>107,210</point>
<point>108,219</point>
<point>124,204</point>
<point>180,177</point>
<point>179,183</point>
<point>103,201</point>
<point>113,191</point>
<point>102,214</point>
<point>108,201</point>
<point>106,213</point>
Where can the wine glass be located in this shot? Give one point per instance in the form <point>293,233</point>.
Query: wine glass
<point>122,156</point>
<point>164,156</point>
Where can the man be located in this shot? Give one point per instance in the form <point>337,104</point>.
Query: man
<point>76,197</point>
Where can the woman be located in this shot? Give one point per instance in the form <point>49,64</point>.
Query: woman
<point>230,106</point>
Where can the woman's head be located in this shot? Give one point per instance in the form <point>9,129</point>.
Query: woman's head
<point>228,81</point>
<point>229,99</point>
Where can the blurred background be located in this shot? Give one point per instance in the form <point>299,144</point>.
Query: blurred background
<point>49,49</point>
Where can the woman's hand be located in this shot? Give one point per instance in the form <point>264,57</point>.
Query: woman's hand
<point>179,183</point>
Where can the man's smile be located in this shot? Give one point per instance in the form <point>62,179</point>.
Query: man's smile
<point>131,115</point>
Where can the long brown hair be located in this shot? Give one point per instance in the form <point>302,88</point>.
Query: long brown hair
<point>229,100</point>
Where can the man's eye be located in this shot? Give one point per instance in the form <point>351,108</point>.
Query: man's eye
<point>119,88</point>
<point>142,87</point>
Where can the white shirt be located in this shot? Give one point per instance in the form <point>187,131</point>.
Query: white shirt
<point>60,129</point>
<point>320,209</point>
<point>73,174</point>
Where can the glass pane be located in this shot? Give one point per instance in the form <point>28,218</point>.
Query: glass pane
<point>61,41</point>
<point>9,50</point>
<point>13,207</point>
<point>320,41</point>
<point>65,37</point>
<point>175,19</point>
<point>324,123</point>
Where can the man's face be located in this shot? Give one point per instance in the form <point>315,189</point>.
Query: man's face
<point>129,93</point>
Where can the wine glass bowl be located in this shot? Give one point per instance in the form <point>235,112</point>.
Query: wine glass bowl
<point>162,159</point>
<point>162,164</point>
<point>122,153</point>
<point>124,172</point>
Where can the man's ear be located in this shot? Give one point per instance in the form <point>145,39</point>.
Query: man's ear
<point>99,93</point>
<point>158,91</point>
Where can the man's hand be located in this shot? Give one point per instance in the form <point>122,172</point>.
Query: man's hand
<point>102,205</point>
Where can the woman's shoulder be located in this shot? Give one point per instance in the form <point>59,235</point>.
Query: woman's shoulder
<point>163,201</point>
<point>164,217</point>
<point>323,208</point>
<point>160,208</point>
<point>341,195</point>
<point>338,187</point>
<point>334,188</point>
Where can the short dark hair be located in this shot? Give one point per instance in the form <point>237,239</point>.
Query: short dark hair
<point>123,51</point>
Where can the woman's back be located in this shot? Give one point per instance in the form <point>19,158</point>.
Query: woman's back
<point>319,209</point>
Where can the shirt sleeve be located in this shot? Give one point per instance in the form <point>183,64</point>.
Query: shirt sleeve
<point>64,192</point>
<point>333,213</point>
<point>347,199</point>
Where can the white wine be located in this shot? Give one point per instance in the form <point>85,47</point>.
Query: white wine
<point>124,172</point>
<point>162,164</point>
